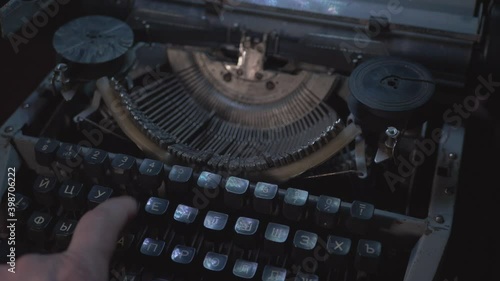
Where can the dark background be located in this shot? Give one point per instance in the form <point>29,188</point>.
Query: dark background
<point>474,248</point>
<point>21,72</point>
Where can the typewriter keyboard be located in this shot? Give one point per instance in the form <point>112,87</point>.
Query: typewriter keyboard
<point>199,225</point>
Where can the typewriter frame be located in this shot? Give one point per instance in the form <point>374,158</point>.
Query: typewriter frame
<point>432,232</point>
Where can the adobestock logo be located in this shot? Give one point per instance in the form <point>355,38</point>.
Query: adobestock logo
<point>32,27</point>
<point>454,116</point>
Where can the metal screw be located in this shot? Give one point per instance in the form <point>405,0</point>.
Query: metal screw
<point>227,77</point>
<point>452,156</point>
<point>439,219</point>
<point>239,72</point>
<point>270,85</point>
<point>259,76</point>
<point>61,67</point>
<point>26,105</point>
<point>392,133</point>
<point>8,129</point>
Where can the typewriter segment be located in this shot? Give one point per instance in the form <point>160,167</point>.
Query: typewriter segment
<point>255,153</point>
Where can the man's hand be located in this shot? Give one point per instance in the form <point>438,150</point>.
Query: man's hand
<point>88,255</point>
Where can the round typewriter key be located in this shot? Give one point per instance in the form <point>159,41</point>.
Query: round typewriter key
<point>304,243</point>
<point>96,163</point>
<point>246,232</point>
<point>151,174</point>
<point>123,168</point>
<point>264,197</point>
<point>45,151</point>
<point>215,224</point>
<point>294,204</point>
<point>275,237</point>
<point>245,269</point>
<point>235,192</point>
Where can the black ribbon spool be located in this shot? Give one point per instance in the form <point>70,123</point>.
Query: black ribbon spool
<point>389,91</point>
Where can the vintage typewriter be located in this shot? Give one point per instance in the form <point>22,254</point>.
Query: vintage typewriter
<point>265,140</point>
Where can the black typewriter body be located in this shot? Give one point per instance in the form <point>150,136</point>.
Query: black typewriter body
<point>264,140</point>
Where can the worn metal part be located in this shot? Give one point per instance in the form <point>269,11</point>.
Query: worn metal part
<point>93,107</point>
<point>344,138</point>
<point>276,99</point>
<point>392,135</point>
<point>279,174</point>
<point>441,40</point>
<point>386,149</point>
<point>12,128</point>
<point>360,157</point>
<point>459,17</point>
<point>250,64</point>
<point>432,233</point>
<point>124,120</point>
<point>426,255</point>
<point>61,83</point>
<point>204,114</point>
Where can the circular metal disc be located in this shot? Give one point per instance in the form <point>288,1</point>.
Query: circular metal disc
<point>93,39</point>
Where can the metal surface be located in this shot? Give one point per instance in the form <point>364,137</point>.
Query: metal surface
<point>127,123</point>
<point>360,157</point>
<point>432,233</point>
<point>250,102</point>
<point>61,84</point>
<point>250,64</point>
<point>426,256</point>
<point>93,40</point>
<point>124,120</point>
<point>93,107</point>
<point>321,39</point>
<point>200,115</point>
<point>447,15</point>
<point>391,137</point>
<point>26,113</point>
<point>386,149</point>
<point>16,13</point>
<point>344,138</point>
